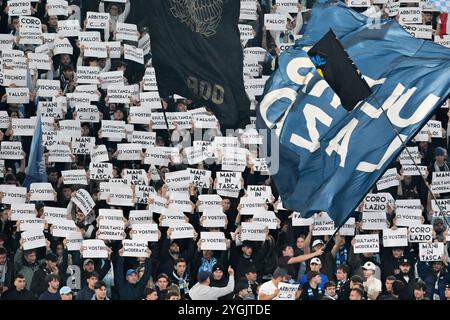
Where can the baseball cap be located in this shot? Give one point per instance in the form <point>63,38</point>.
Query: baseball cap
<point>65,290</point>
<point>87,261</point>
<point>51,257</point>
<point>403,260</point>
<point>447,286</point>
<point>369,266</point>
<point>315,261</point>
<point>280,272</point>
<point>130,272</point>
<point>317,242</point>
<point>241,285</point>
<point>203,275</point>
<point>439,151</point>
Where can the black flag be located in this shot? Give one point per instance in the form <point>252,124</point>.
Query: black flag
<point>197,54</point>
<point>336,67</point>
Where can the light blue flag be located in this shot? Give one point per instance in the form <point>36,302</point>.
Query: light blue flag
<point>330,158</point>
<point>36,171</point>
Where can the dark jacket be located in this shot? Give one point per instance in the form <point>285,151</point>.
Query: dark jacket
<point>9,274</point>
<point>427,274</point>
<point>13,294</point>
<point>85,294</point>
<point>128,291</point>
<point>38,284</point>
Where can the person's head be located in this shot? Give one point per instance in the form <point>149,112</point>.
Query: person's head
<point>181,106</point>
<point>66,293</point>
<point>397,252</point>
<point>314,278</point>
<point>180,266</point>
<point>355,281</point>
<point>53,21</point>
<point>241,289</point>
<point>368,269</point>
<point>300,243</point>
<point>114,9</point>
<point>173,295</point>
<point>317,245</point>
<point>3,254</point>
<point>59,249</point>
<point>438,225</point>
<point>287,250</point>
<point>162,281</point>
<point>315,264</point>
<point>447,291</point>
<point>88,265</point>
<point>439,155</point>
<point>100,290</point>
<point>174,248</point>
<point>330,288</point>
<point>217,272</point>
<point>427,17</point>
<point>52,175</point>
<point>397,287</point>
<point>204,278</point>
<point>85,129</point>
<point>118,114</point>
<point>52,281</point>
<point>132,276</point>
<point>405,266</point>
<point>437,266</point>
<point>51,260</point>
<point>80,217</point>
<point>29,256</point>
<point>389,282</point>
<point>356,294</point>
<point>19,282</point>
<point>68,72</point>
<point>226,204</point>
<point>420,289</point>
<point>67,192</point>
<point>247,248</point>
<point>208,254</point>
<point>91,279</point>
<point>151,294</point>
<point>251,274</point>
<point>342,272</point>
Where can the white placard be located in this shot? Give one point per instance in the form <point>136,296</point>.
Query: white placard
<point>419,30</point>
<point>276,22</point>
<point>410,15</point>
<point>113,78</point>
<point>74,241</point>
<point>88,75</point>
<point>13,194</point>
<point>253,231</point>
<point>408,217</point>
<point>140,217</point>
<point>97,20</point>
<point>57,8</point>
<point>441,204</point>
<point>267,218</point>
<point>94,249</point>
<point>213,217</point>
<point>251,205</point>
<point>178,178</point>
<point>83,200</point>
<point>298,221</point>
<point>48,88</point>
<point>367,243</point>
<point>358,3</point>
<point>246,32</point>
<point>200,178</point>
<point>213,241</point>
<point>287,6</point>
<point>134,54</point>
<point>440,182</point>
<point>375,202</point>
<point>60,153</point>
<point>22,210</point>
<point>388,180</point>
<point>121,196</point>
<point>287,291</point>
<point>411,170</point>
<point>145,232</point>
<point>68,28</point>
<point>140,115</point>
<point>42,192</point>
<point>435,128</point>
<point>323,225</point>
<point>129,151</point>
<point>23,127</point>
<point>17,95</point>
<point>144,138</point>
<point>395,238</point>
<point>151,100</point>
<point>135,248</point>
<point>101,171</point>
<point>53,214</point>
<point>422,233</point>
<point>62,46</point>
<point>374,220</point>
<point>209,201</point>
<point>74,177</point>
<point>113,129</point>
<point>82,145</point>
<point>348,229</point>
<point>19,8</point>
<point>406,159</point>
<point>62,228</point>
<point>264,192</point>
<point>16,77</point>
<point>111,230</point>
<point>99,154</point>
<point>431,251</point>
<point>143,193</point>
<point>180,201</point>
<point>228,184</point>
<point>182,231</point>
<point>126,31</point>
<point>33,239</point>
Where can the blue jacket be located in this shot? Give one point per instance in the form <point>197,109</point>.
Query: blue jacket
<point>128,291</point>
<point>304,280</point>
<point>429,277</point>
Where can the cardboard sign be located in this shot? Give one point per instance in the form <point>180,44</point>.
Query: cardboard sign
<point>68,28</point>
<point>119,94</point>
<point>62,46</point>
<point>159,205</point>
<point>84,201</point>
<point>89,36</point>
<point>20,211</point>
<point>121,196</point>
<point>205,121</point>
<point>135,248</point>
<point>441,204</point>
<point>253,231</point>
<point>42,192</point>
<point>213,241</point>
<point>248,11</point>
<point>99,154</point>
<point>52,214</point>
<point>57,8</point>
<point>260,165</point>
<point>62,228</point>
<point>134,54</point>
<point>267,218</point>
<point>60,153</point>
<point>421,233</point>
<point>33,239</point>
<point>74,241</point>
<point>13,194</point>
<point>375,202</point>
<point>144,138</point>
<point>143,193</point>
<point>388,180</point>
<point>323,225</point>
<point>411,170</point>
<point>144,44</point>
<point>30,31</point>
<point>88,75</point>
<point>111,230</point>
<point>287,290</point>
<point>129,151</point>
<point>374,221</point>
<point>440,182</point>
<point>408,217</point>
<point>17,95</point>
<point>405,157</point>
<point>74,177</point>
<point>287,6</point>
<point>145,232</point>
<point>94,249</point>
<point>151,100</point>
<point>276,22</point>
<point>39,61</point>
<point>228,184</point>
<point>246,32</point>
<point>368,243</point>
<point>140,217</point>
<point>16,77</point>
<point>23,127</point>
<point>101,171</point>
<point>209,201</point>
<point>410,15</point>
<point>251,205</point>
<point>180,201</point>
<point>113,129</point>
<point>48,88</point>
<point>348,229</point>
<point>257,191</point>
<point>113,78</point>
<point>200,178</point>
<point>234,162</point>
<point>298,221</point>
<point>213,217</point>
<point>150,83</point>
<point>419,30</point>
<point>395,238</point>
<point>6,42</point>
<point>135,176</point>
<point>140,115</point>
<point>431,251</point>
<point>19,8</point>
<point>97,20</point>
<point>182,231</point>
<point>126,31</point>
<point>82,145</point>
